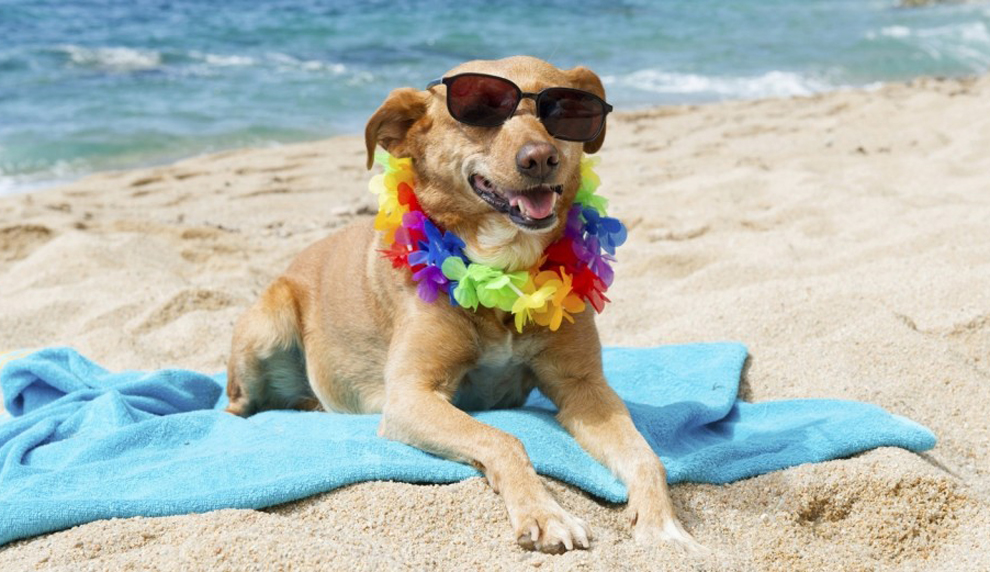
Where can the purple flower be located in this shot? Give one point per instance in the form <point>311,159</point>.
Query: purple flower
<point>589,251</point>
<point>411,231</point>
<point>434,247</point>
<point>431,282</point>
<point>575,226</point>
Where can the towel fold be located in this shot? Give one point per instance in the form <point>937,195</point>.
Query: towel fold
<point>85,444</point>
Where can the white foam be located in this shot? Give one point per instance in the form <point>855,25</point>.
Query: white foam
<point>17,184</point>
<point>7,186</point>
<point>24,176</point>
<point>285,62</point>
<point>221,60</point>
<point>895,32</point>
<point>770,84</point>
<point>281,62</point>
<point>360,78</point>
<point>967,43</point>
<point>121,59</point>
<point>115,59</point>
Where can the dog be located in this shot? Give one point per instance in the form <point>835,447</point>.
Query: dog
<point>343,330</point>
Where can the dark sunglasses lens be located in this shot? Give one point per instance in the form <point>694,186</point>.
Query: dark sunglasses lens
<point>571,114</point>
<point>481,100</point>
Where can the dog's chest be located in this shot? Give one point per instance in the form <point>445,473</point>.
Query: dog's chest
<point>500,378</point>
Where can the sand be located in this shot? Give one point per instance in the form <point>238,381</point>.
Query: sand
<point>845,238</point>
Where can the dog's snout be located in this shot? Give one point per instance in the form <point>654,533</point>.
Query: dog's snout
<point>537,159</point>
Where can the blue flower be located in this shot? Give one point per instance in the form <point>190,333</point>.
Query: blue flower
<point>610,231</point>
<point>437,247</point>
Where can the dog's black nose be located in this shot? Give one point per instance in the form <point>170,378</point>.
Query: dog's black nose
<point>537,159</point>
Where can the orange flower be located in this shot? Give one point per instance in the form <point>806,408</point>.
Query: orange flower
<point>564,302</point>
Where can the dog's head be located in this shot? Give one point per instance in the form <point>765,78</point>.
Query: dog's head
<point>504,190</point>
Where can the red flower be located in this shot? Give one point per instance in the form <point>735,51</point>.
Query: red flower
<point>408,197</point>
<point>398,253</point>
<point>561,253</point>
<point>590,287</point>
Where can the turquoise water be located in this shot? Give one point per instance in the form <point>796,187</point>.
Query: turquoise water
<point>90,85</point>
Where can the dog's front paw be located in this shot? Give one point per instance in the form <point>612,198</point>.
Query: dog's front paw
<point>650,532</point>
<point>548,528</point>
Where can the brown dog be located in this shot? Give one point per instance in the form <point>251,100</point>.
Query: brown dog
<point>342,330</point>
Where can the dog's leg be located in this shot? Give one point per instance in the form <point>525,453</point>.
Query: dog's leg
<point>417,411</point>
<point>598,419</point>
<point>266,369</point>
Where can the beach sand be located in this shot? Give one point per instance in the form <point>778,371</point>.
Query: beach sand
<point>845,238</point>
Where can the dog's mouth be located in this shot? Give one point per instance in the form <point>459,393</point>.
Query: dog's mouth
<point>531,208</point>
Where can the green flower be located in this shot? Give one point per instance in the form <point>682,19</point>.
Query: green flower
<point>589,184</point>
<point>484,285</point>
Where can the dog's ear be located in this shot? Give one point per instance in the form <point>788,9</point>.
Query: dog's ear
<point>583,78</point>
<point>389,125</point>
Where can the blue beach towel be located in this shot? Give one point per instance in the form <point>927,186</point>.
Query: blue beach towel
<point>84,444</point>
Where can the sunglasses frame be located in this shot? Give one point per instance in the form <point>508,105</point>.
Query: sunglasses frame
<point>536,97</point>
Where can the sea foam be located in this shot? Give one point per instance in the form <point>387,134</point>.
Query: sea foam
<point>966,43</point>
<point>114,59</point>
<point>770,84</point>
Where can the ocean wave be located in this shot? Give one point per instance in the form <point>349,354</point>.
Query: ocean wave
<point>966,43</point>
<point>770,84</point>
<point>285,62</point>
<point>113,59</point>
<point>223,61</point>
<point>22,178</point>
<point>119,59</point>
<point>891,32</point>
<point>274,60</point>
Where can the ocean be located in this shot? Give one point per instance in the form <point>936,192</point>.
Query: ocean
<point>104,84</point>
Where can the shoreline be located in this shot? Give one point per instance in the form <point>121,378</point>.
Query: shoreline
<point>43,184</point>
<point>842,237</point>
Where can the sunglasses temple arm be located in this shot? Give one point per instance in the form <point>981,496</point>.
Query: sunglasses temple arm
<point>434,83</point>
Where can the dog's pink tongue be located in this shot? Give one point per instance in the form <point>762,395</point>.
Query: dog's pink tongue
<point>538,204</point>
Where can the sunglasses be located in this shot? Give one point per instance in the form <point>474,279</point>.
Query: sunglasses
<point>486,100</point>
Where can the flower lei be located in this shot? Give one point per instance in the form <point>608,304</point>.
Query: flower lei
<point>573,271</point>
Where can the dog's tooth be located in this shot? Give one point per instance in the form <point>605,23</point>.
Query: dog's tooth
<point>514,201</point>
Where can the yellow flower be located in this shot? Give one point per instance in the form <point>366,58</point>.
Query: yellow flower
<point>589,184</point>
<point>562,304</point>
<point>386,186</point>
<point>531,300</point>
